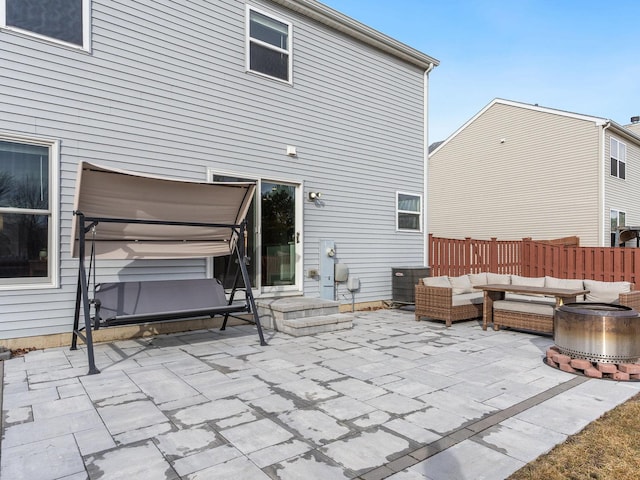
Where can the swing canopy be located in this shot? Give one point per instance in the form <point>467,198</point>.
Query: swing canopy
<point>139,216</point>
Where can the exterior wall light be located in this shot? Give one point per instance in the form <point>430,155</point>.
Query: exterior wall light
<point>313,196</point>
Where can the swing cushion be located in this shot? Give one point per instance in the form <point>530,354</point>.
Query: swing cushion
<point>137,302</point>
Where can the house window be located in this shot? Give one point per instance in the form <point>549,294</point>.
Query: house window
<point>65,21</point>
<point>617,220</point>
<point>27,220</point>
<point>268,45</point>
<point>408,212</point>
<point>618,159</point>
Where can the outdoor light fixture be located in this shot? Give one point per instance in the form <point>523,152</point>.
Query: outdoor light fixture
<point>313,196</point>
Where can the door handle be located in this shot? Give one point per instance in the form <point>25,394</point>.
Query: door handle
<point>297,237</point>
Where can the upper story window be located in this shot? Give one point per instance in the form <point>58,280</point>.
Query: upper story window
<point>65,21</point>
<point>268,45</point>
<point>408,212</point>
<point>28,210</point>
<point>618,159</point>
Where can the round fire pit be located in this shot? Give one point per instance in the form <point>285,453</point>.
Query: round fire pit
<point>598,332</point>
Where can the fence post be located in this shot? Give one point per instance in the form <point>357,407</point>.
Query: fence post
<point>493,255</point>
<point>525,257</point>
<point>467,256</point>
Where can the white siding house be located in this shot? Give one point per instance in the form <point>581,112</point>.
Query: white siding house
<point>289,93</point>
<point>517,170</point>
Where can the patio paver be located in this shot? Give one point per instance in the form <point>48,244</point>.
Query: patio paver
<point>391,398</point>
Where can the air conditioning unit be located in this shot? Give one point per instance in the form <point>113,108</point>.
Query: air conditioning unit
<point>403,282</point>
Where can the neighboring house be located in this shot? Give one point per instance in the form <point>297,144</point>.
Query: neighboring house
<point>517,170</point>
<point>634,126</point>
<point>290,93</point>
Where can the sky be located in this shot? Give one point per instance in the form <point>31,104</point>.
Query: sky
<point>582,56</point>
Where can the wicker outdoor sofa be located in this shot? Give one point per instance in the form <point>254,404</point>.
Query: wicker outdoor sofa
<point>461,301</point>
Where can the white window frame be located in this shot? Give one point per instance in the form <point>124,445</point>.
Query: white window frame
<point>617,214</point>
<point>618,157</point>
<point>248,41</point>
<point>53,280</point>
<point>86,28</point>
<point>410,212</point>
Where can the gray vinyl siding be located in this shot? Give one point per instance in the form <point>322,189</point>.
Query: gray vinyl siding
<point>542,182</point>
<point>633,127</point>
<point>165,91</point>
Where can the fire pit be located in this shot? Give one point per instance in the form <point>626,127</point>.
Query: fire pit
<point>598,332</point>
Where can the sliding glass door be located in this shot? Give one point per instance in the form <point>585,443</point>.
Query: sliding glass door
<point>273,242</point>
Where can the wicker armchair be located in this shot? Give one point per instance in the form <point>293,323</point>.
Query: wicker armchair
<point>438,303</point>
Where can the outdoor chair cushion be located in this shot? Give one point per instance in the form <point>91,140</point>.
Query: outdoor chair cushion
<point>569,283</point>
<point>605,292</point>
<point>474,298</point>
<point>441,281</point>
<point>499,278</point>
<point>527,281</point>
<point>524,307</point>
<point>478,278</point>
<point>460,284</point>
<point>521,297</point>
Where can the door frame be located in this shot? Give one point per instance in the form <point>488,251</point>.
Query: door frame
<point>258,289</point>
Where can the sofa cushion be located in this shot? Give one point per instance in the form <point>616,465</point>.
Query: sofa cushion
<point>569,283</point>
<point>521,297</point>
<point>527,281</point>
<point>478,278</point>
<point>474,298</point>
<point>498,278</point>
<point>460,284</point>
<point>605,292</point>
<point>524,307</point>
<point>441,281</point>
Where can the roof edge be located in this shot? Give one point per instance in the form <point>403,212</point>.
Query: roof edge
<point>598,121</point>
<point>349,26</point>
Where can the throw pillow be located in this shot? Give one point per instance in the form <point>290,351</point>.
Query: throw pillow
<point>461,284</point>
<point>605,292</point>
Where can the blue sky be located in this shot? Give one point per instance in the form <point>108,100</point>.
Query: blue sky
<point>577,55</point>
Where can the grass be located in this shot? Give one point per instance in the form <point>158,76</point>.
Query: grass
<point>607,449</point>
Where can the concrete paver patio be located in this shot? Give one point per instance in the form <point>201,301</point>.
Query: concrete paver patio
<point>391,398</point>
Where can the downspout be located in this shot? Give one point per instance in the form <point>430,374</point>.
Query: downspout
<point>425,230</point>
<point>601,190</point>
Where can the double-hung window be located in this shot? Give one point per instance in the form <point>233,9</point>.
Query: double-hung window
<point>268,45</point>
<point>618,159</point>
<point>28,237</point>
<point>63,21</point>
<point>408,212</point>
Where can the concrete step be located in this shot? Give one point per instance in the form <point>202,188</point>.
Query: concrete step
<point>298,327</point>
<point>273,311</point>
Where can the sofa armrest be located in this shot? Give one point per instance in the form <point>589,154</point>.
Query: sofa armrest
<point>631,299</point>
<point>425,291</point>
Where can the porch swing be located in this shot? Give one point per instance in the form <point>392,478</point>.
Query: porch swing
<point>126,216</point>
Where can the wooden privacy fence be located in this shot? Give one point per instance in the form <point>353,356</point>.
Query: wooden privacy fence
<point>561,258</point>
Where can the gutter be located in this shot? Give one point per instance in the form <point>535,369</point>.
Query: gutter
<point>347,25</point>
<point>601,190</point>
<point>425,147</point>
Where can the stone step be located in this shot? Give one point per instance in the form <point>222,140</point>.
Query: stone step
<point>273,311</point>
<point>300,326</point>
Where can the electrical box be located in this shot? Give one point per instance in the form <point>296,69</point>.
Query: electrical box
<point>404,281</point>
<point>353,284</point>
<point>341,273</point>
<point>326,270</point>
